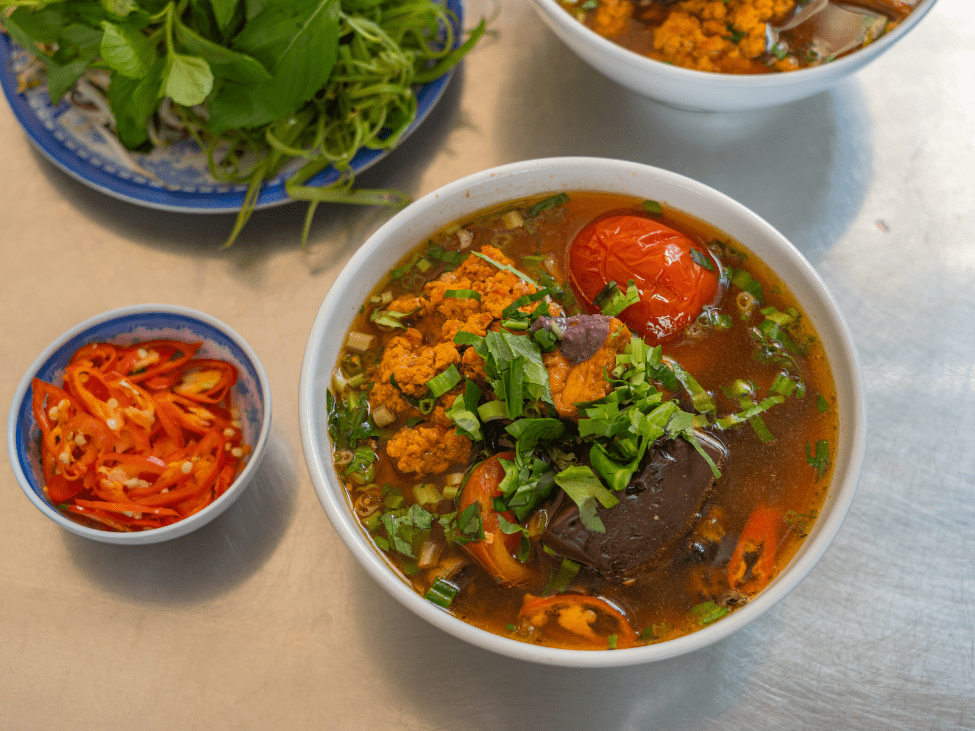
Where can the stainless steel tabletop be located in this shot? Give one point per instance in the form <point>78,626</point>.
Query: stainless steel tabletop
<point>262,620</point>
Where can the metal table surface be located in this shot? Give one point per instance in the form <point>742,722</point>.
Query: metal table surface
<point>262,619</point>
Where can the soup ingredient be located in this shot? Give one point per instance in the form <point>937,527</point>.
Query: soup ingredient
<point>659,504</point>
<point>491,548</point>
<point>737,36</point>
<point>258,85</point>
<point>139,436</point>
<point>753,560</point>
<point>569,483</point>
<point>590,621</point>
<point>673,279</point>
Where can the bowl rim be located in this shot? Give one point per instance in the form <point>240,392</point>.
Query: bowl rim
<point>637,61</point>
<point>188,524</point>
<point>335,503</point>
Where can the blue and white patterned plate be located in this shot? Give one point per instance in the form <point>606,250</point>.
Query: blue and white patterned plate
<point>179,178</point>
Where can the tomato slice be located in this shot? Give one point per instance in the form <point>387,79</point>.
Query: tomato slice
<point>753,560</point>
<point>581,622</point>
<point>494,552</point>
<point>673,287</point>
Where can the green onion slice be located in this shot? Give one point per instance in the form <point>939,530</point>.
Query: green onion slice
<point>442,593</point>
<point>443,382</point>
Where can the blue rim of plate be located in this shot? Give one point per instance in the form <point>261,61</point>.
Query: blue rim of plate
<point>44,127</point>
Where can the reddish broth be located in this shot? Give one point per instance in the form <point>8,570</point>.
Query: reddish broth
<point>692,586</point>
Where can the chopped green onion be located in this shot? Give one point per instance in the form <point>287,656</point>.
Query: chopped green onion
<point>504,267</point>
<point>708,612</point>
<point>491,410</point>
<point>426,494</point>
<point>744,281</point>
<point>702,260</point>
<point>653,208</point>
<point>442,593</point>
<point>443,382</point>
<point>450,492</point>
<point>727,422</point>
<point>612,300</point>
<point>783,385</point>
<point>556,200</point>
<point>562,577</point>
<point>463,294</point>
<point>389,318</point>
<point>699,397</point>
<point>372,521</point>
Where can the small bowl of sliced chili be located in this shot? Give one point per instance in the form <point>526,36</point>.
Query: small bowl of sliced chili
<point>140,424</point>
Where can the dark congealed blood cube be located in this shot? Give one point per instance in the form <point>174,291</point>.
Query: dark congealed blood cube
<point>655,512</point>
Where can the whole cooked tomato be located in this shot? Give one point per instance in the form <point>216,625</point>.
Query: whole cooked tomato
<point>673,286</point>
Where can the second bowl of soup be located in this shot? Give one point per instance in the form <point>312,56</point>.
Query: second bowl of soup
<point>584,412</point>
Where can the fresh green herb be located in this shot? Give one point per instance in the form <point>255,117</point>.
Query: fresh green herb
<point>425,405</point>
<point>389,318</point>
<point>611,642</point>
<point>362,468</point>
<point>780,50</point>
<point>702,260</point>
<point>464,412</point>
<point>818,458</point>
<point>504,267</point>
<point>736,35</point>
<point>821,403</point>
<point>470,524</point>
<point>562,577</point>
<point>426,494</point>
<point>451,259</point>
<point>442,593</point>
<point>799,522</point>
<point>556,200</point>
<point>653,208</point>
<point>744,281</point>
<point>262,87</point>
<point>708,612</point>
<point>406,528</point>
<point>711,317</point>
<point>582,485</point>
<point>612,300</point>
<point>463,294</point>
<point>733,420</point>
<point>443,382</point>
<point>349,422</point>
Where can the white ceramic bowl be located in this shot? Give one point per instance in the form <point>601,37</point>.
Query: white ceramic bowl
<point>710,92</point>
<point>423,218</point>
<point>251,395</point>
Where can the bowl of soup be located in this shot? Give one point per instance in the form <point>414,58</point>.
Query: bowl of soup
<point>730,55</point>
<point>582,412</point>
